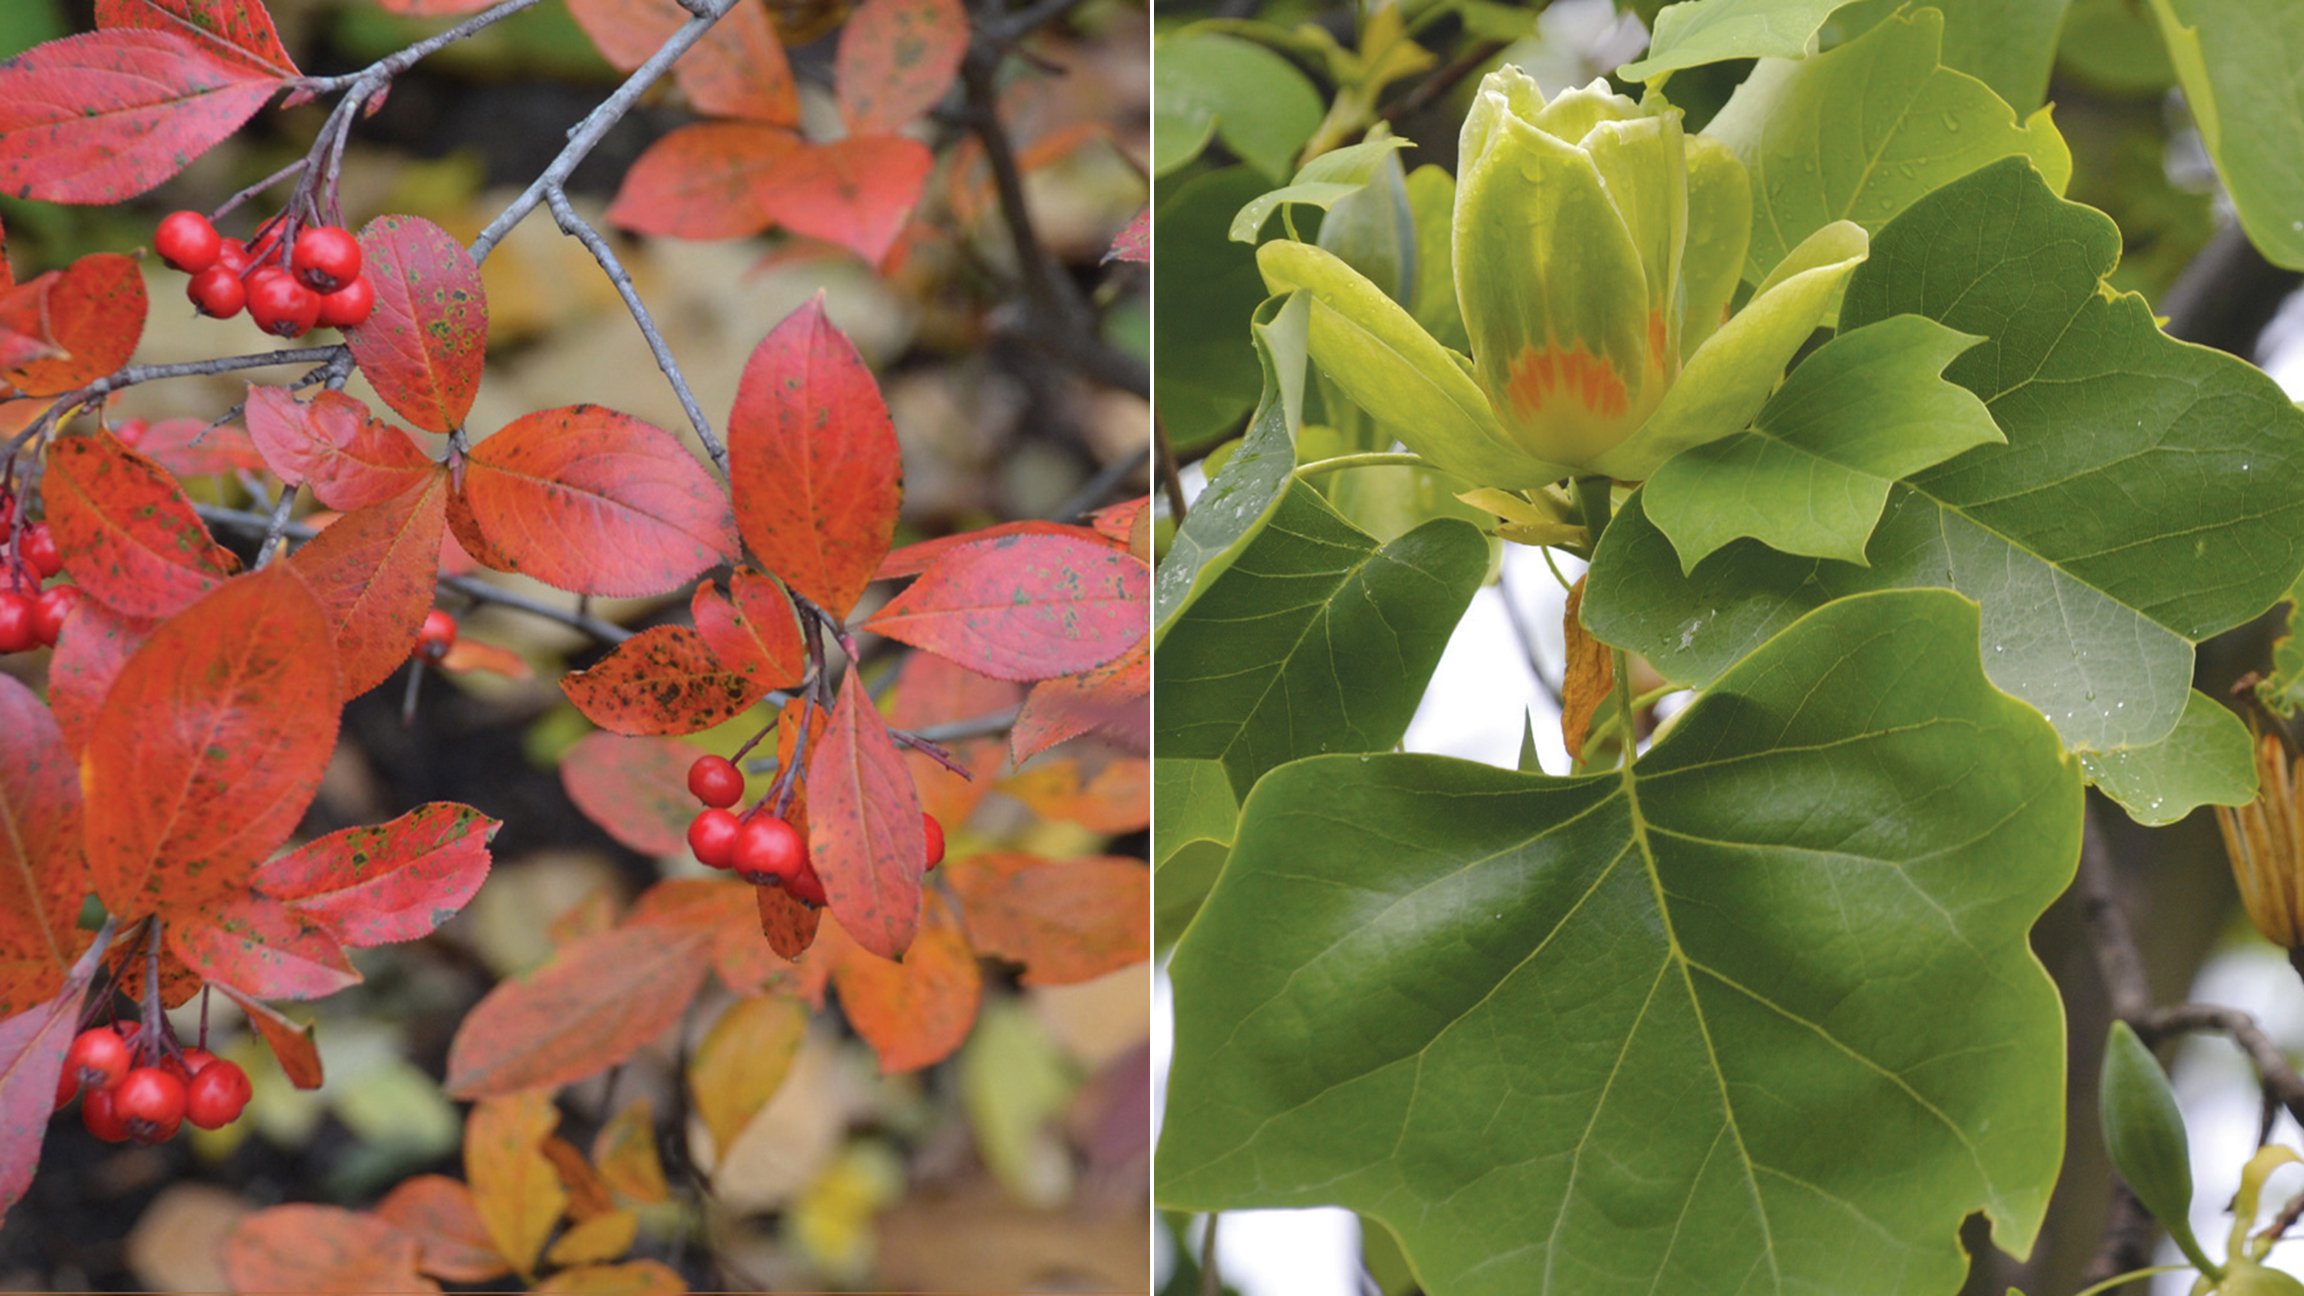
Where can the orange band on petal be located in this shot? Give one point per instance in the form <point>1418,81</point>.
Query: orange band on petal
<point>1539,375</point>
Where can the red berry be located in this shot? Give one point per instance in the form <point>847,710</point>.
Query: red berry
<point>280,305</point>
<point>715,781</point>
<point>40,550</point>
<point>187,241</point>
<point>767,847</point>
<point>326,258</point>
<point>17,632</point>
<point>151,1101</point>
<point>712,835</point>
<point>264,249</point>
<point>437,636</point>
<point>50,609</point>
<point>805,885</point>
<point>97,1059</point>
<point>218,1093</point>
<point>100,1112</point>
<point>348,306</point>
<point>233,256</point>
<point>934,831</point>
<point>217,292</point>
<point>188,1063</point>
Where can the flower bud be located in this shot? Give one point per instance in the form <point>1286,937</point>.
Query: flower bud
<point>2265,841</point>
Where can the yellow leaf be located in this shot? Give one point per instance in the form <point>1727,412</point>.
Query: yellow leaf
<point>625,1152</point>
<point>514,1186</point>
<point>598,1239</point>
<point>743,1061</point>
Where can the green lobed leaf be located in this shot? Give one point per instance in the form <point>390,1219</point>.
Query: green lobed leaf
<point>1317,640</point>
<point>1206,85</point>
<point>1322,182</point>
<point>2241,63</point>
<point>2283,689</point>
<point>1194,815</point>
<point>2207,759</point>
<point>1758,1013</point>
<point>1863,131</point>
<point>2151,492</point>
<point>1811,476</point>
<point>1697,32</point>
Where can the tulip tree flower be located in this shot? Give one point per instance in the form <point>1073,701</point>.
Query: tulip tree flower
<point>1597,247</point>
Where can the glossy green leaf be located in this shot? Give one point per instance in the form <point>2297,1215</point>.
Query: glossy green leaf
<point>2207,759</point>
<point>1242,495</point>
<point>2151,493</point>
<point>2008,45</point>
<point>1194,815</point>
<point>1322,182</point>
<point>1811,476</point>
<point>1373,228</point>
<point>1317,640</point>
<point>1206,85</point>
<point>1757,1014</point>
<point>1697,32</point>
<point>1862,132</point>
<point>1207,287</point>
<point>2241,63</point>
<point>2144,1132</point>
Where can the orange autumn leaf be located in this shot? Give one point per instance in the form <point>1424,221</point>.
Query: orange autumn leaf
<point>321,1251</point>
<point>452,1240</point>
<point>1064,920</point>
<point>597,1002</point>
<point>917,1012</point>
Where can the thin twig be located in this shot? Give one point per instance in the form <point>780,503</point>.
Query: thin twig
<point>983,726</point>
<point>386,68</point>
<point>2271,1064</point>
<point>583,232</point>
<point>1171,476</point>
<point>2118,957</point>
<point>276,527</point>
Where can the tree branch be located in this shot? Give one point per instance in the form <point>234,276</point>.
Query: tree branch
<point>2279,1078</point>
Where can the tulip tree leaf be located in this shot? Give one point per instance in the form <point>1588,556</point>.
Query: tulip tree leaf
<point>1813,473</point>
<point>1323,182</point>
<point>2241,63</point>
<point>1316,640</point>
<point>1756,1014</point>
<point>1195,813</point>
<point>1863,131</point>
<point>1696,32</point>
<point>2283,689</point>
<point>2207,759</point>
<point>1208,288</point>
<point>1206,85</point>
<point>2151,493</point>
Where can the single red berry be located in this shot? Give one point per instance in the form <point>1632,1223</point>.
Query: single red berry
<point>715,781</point>
<point>934,831</point>
<point>437,636</point>
<point>767,847</point>
<point>805,885</point>
<point>187,241</point>
<point>151,1101</point>
<point>97,1059</point>
<point>326,258</point>
<point>233,256</point>
<point>712,835</point>
<point>187,1063</point>
<point>280,305</point>
<point>100,1112</point>
<point>40,550</point>
<point>217,292</point>
<point>50,609</point>
<point>217,1095</point>
<point>17,632</point>
<point>349,306</point>
<point>264,249</point>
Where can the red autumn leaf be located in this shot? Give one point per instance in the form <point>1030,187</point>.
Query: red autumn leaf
<point>634,788</point>
<point>739,70</point>
<point>596,502</point>
<point>1025,607</point>
<point>102,117</point>
<point>32,1045</point>
<point>128,535</point>
<point>1118,521</point>
<point>1135,242</point>
<point>372,570</point>
<point>230,31</point>
<point>468,655</point>
<point>95,316</point>
<point>7,271</point>
<point>788,925</point>
<point>896,59</point>
<point>24,330</point>
<point>422,348</point>
<point>1107,699</point>
<point>210,745</point>
<point>813,461</point>
<point>348,455</point>
<point>752,629</point>
<point>433,8</point>
<point>600,1000</point>
<point>263,948</point>
<point>190,447</point>
<point>125,964</point>
<point>932,691</point>
<point>915,558</point>
<point>627,32</point>
<point>321,1251</point>
<point>1064,920</point>
<point>440,1214</point>
<point>864,830</point>
<point>290,1042</point>
<point>855,192</point>
<point>916,1012</point>
<point>94,649</point>
<point>389,882</point>
<point>42,874</point>
<point>664,680</point>
<point>702,181</point>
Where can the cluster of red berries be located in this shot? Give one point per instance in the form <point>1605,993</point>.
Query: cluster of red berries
<point>760,847</point>
<point>287,289</point>
<point>437,636</point>
<point>122,1097</point>
<point>30,617</point>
